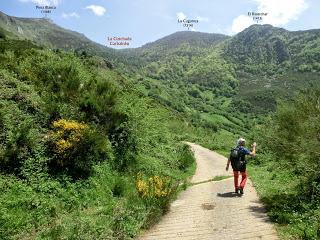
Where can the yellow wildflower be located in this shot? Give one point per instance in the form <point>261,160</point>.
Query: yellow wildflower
<point>66,135</point>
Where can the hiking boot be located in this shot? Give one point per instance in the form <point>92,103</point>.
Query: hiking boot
<point>241,190</point>
<point>237,190</point>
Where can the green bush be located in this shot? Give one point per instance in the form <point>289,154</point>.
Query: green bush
<point>21,129</point>
<point>2,34</point>
<point>125,146</point>
<point>186,158</point>
<point>75,148</point>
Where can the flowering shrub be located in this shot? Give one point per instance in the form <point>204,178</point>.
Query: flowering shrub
<point>66,135</point>
<point>75,147</point>
<point>154,187</point>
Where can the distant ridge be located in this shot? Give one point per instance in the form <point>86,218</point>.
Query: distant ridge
<point>45,32</point>
<point>194,38</point>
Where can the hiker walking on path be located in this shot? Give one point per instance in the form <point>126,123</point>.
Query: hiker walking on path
<point>238,162</point>
<point>203,210</point>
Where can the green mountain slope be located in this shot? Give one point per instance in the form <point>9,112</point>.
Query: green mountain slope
<point>272,63</point>
<point>170,44</point>
<point>44,32</point>
<point>266,49</point>
<point>189,76</point>
<point>252,70</point>
<point>199,39</point>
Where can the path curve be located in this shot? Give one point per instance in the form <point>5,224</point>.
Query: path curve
<point>210,210</point>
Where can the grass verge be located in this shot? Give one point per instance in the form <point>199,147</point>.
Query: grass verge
<point>294,216</point>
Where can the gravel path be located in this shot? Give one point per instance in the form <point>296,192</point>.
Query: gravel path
<point>211,210</point>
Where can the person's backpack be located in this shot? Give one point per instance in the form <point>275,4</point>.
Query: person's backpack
<point>237,158</point>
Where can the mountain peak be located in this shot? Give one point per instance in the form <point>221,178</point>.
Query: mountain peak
<point>190,37</point>
<point>262,30</point>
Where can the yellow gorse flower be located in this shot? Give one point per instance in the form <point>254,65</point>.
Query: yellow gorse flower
<point>154,186</point>
<point>142,187</point>
<point>62,145</point>
<point>66,134</point>
<point>69,125</point>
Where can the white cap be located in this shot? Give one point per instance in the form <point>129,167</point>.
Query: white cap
<point>241,140</point>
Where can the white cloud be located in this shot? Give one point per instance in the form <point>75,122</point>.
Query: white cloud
<point>203,19</point>
<point>181,16</point>
<point>278,13</point>
<point>193,29</point>
<point>281,12</point>
<point>70,15</point>
<point>240,23</point>
<point>97,10</point>
<point>43,2</point>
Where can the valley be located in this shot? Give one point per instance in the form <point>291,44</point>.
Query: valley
<point>92,147</point>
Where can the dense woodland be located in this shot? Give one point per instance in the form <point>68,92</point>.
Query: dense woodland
<point>91,141</point>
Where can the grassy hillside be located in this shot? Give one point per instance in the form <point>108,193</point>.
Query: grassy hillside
<point>268,50</point>
<point>191,78</point>
<point>286,173</point>
<point>272,63</point>
<point>241,77</point>
<point>44,32</point>
<point>83,153</point>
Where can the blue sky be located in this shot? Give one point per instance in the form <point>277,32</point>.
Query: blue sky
<point>148,20</point>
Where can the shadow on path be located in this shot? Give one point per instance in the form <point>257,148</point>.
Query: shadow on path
<point>228,195</point>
